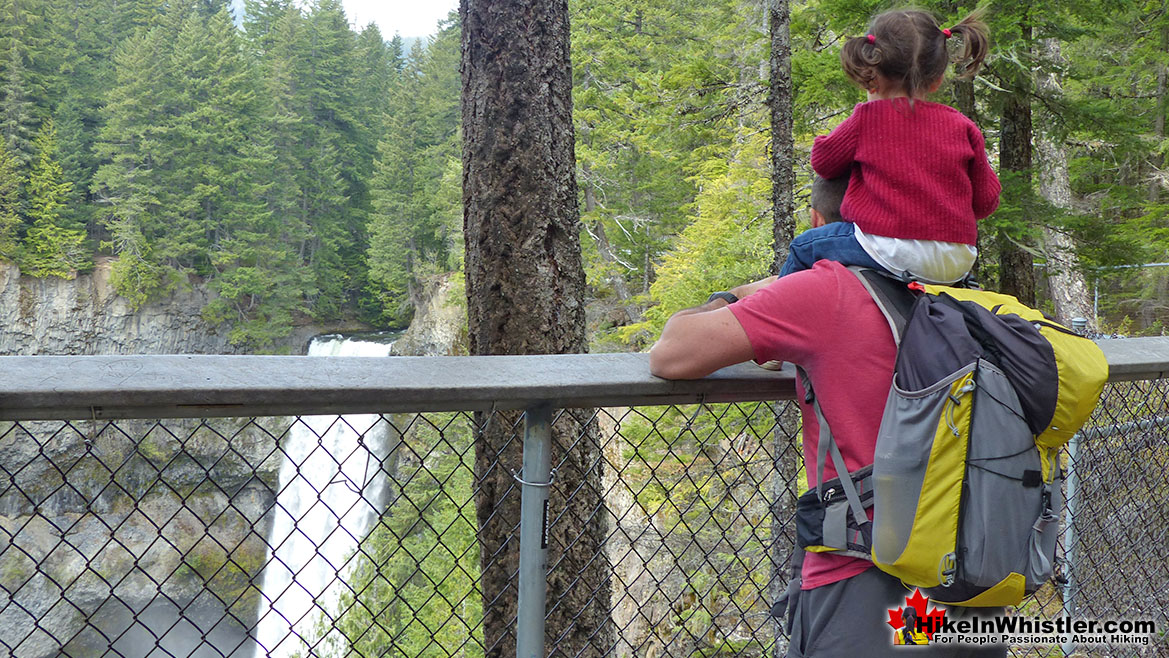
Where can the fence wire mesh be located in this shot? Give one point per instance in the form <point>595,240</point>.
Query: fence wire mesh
<point>670,532</point>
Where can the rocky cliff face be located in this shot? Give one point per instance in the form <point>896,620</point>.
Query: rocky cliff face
<point>86,316</point>
<point>104,526</point>
<point>110,532</point>
<point>439,327</point>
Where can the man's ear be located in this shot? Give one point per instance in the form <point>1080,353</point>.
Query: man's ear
<point>818,219</point>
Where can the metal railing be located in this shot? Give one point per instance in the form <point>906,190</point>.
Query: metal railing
<point>321,506</point>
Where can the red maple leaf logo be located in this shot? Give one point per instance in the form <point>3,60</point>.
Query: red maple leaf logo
<point>927,622</point>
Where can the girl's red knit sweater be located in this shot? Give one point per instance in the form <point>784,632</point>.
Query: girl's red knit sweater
<point>916,173</point>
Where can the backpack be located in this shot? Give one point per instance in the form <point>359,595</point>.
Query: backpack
<point>965,485</point>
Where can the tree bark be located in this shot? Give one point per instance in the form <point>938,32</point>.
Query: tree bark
<point>1159,177</point>
<point>525,295</point>
<point>1016,275</point>
<point>963,91</point>
<point>782,141</point>
<point>785,455</point>
<point>1065,281</point>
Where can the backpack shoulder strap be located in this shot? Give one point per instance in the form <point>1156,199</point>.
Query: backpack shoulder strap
<point>891,295</point>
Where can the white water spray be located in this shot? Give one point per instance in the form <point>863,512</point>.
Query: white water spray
<point>331,483</point>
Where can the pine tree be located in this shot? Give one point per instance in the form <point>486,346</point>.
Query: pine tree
<point>260,18</point>
<point>50,249</point>
<point>333,179</point>
<point>16,120</point>
<point>10,191</point>
<point>128,183</point>
<point>414,227</point>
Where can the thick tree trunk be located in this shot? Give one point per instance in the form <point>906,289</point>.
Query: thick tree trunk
<point>963,91</point>
<point>1016,275</point>
<point>525,292</point>
<point>1065,282</point>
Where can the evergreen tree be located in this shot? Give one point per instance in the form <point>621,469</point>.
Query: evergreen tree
<point>10,191</point>
<point>130,179</point>
<point>50,249</point>
<point>525,295</point>
<point>332,179</point>
<point>414,226</point>
<point>260,18</point>
<point>16,120</point>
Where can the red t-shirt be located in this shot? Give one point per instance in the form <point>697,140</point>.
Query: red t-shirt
<point>824,320</point>
<point>917,173</point>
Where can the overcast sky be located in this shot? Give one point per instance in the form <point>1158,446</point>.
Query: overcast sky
<point>409,18</point>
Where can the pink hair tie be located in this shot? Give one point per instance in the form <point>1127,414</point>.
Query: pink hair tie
<point>946,32</point>
<point>871,38</point>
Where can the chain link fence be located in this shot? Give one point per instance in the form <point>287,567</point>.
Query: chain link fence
<point>357,535</point>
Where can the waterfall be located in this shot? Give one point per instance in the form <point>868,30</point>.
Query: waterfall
<point>331,486</point>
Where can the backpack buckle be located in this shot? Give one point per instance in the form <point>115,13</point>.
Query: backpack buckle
<point>947,569</point>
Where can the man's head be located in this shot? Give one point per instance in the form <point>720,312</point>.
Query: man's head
<point>827,196</point>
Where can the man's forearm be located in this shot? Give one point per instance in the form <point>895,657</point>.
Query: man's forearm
<point>699,340</point>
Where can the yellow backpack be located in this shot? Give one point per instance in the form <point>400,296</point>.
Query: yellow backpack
<point>965,483</point>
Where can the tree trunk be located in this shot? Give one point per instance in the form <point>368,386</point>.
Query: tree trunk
<point>613,274</point>
<point>782,142</point>
<point>1016,275</point>
<point>1065,282</point>
<point>785,455</point>
<point>1159,176</point>
<point>525,295</point>
<point>963,91</point>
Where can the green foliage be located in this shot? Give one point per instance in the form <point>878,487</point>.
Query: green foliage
<point>190,148</point>
<point>657,91</point>
<point>728,242</point>
<point>10,191</point>
<point>415,227</point>
<point>700,473</point>
<point>413,585</point>
<point>51,248</point>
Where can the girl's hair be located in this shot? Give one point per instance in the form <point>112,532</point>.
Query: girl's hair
<point>908,47</point>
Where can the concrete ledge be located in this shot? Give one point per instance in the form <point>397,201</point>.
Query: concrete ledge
<point>97,387</point>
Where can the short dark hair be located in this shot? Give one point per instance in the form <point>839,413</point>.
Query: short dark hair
<point>827,195</point>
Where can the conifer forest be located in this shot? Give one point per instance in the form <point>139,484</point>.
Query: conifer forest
<point>307,168</point>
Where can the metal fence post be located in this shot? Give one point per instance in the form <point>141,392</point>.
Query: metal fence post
<point>533,571</point>
<point>1069,535</point>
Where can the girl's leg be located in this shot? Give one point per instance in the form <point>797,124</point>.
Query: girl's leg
<point>835,241</point>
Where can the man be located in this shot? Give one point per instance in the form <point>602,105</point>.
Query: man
<point>824,320</point>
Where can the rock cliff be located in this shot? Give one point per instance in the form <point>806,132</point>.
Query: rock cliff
<point>439,327</point>
<point>105,525</point>
<point>86,316</point>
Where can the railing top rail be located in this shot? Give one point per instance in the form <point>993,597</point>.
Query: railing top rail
<point>172,386</point>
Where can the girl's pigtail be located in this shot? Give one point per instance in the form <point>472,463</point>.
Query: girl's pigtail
<point>976,43</point>
<point>860,57</point>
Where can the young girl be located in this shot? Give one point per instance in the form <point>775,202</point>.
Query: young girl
<point>919,178</point>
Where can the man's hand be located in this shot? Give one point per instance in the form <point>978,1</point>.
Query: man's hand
<point>697,341</point>
<point>750,288</point>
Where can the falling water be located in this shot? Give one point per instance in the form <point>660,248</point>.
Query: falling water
<point>331,483</point>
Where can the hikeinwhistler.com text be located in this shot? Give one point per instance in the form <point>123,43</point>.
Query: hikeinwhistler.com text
<point>1018,630</point>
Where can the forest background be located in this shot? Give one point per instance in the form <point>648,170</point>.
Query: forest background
<point>305,169</point>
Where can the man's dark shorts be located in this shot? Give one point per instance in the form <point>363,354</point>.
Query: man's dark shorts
<point>850,618</point>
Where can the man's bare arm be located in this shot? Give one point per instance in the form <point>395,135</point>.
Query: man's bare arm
<point>697,341</point>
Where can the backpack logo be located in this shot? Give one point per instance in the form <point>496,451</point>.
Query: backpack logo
<point>912,623</point>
